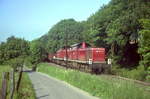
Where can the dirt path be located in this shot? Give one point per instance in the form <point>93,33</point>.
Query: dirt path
<point>50,88</point>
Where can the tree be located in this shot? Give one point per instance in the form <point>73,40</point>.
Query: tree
<point>56,37</point>
<point>38,53</point>
<point>16,62</point>
<point>2,52</point>
<point>144,45</point>
<point>13,48</point>
<point>116,24</point>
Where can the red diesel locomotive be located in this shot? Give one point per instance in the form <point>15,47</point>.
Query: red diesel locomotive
<point>82,57</point>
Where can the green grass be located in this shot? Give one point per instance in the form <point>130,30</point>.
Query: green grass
<point>3,68</point>
<point>100,86</point>
<point>25,91</point>
<point>138,73</point>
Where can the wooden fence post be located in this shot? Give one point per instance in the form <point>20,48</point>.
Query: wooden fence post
<point>12,84</point>
<point>4,85</point>
<point>19,80</point>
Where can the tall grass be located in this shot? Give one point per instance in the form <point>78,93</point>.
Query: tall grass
<point>99,86</point>
<point>138,73</point>
<point>25,91</point>
<point>3,68</point>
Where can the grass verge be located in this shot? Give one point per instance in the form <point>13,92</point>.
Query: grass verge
<point>99,86</point>
<point>26,90</point>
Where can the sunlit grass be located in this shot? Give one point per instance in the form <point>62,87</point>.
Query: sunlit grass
<point>25,91</point>
<point>3,68</point>
<point>99,86</point>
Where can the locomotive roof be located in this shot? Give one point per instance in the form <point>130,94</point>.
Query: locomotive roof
<point>77,45</point>
<point>80,44</point>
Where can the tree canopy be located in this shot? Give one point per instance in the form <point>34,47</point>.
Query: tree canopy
<point>68,29</point>
<point>13,48</point>
<point>144,45</point>
<point>37,52</point>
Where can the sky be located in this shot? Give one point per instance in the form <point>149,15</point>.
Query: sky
<point>30,19</point>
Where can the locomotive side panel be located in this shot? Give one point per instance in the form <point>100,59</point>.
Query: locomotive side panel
<point>98,55</point>
<point>82,54</point>
<point>75,54</point>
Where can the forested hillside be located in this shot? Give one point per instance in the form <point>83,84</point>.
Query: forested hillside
<point>116,26</point>
<point>64,31</point>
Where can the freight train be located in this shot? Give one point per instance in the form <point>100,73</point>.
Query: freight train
<point>82,57</point>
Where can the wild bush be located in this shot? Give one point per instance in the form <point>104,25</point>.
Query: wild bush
<point>139,73</point>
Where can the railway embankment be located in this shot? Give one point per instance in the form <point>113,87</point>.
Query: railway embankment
<point>100,86</point>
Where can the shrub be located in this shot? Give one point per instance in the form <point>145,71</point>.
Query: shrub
<point>16,62</point>
<point>139,73</point>
<point>148,75</point>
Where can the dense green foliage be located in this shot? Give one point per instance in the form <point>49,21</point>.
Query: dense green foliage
<point>144,45</point>
<point>104,87</point>
<point>16,62</point>
<point>16,51</point>
<point>65,32</point>
<point>13,48</point>
<point>116,24</point>
<point>37,52</point>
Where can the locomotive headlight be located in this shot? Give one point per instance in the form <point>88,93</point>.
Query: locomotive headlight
<point>90,61</point>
